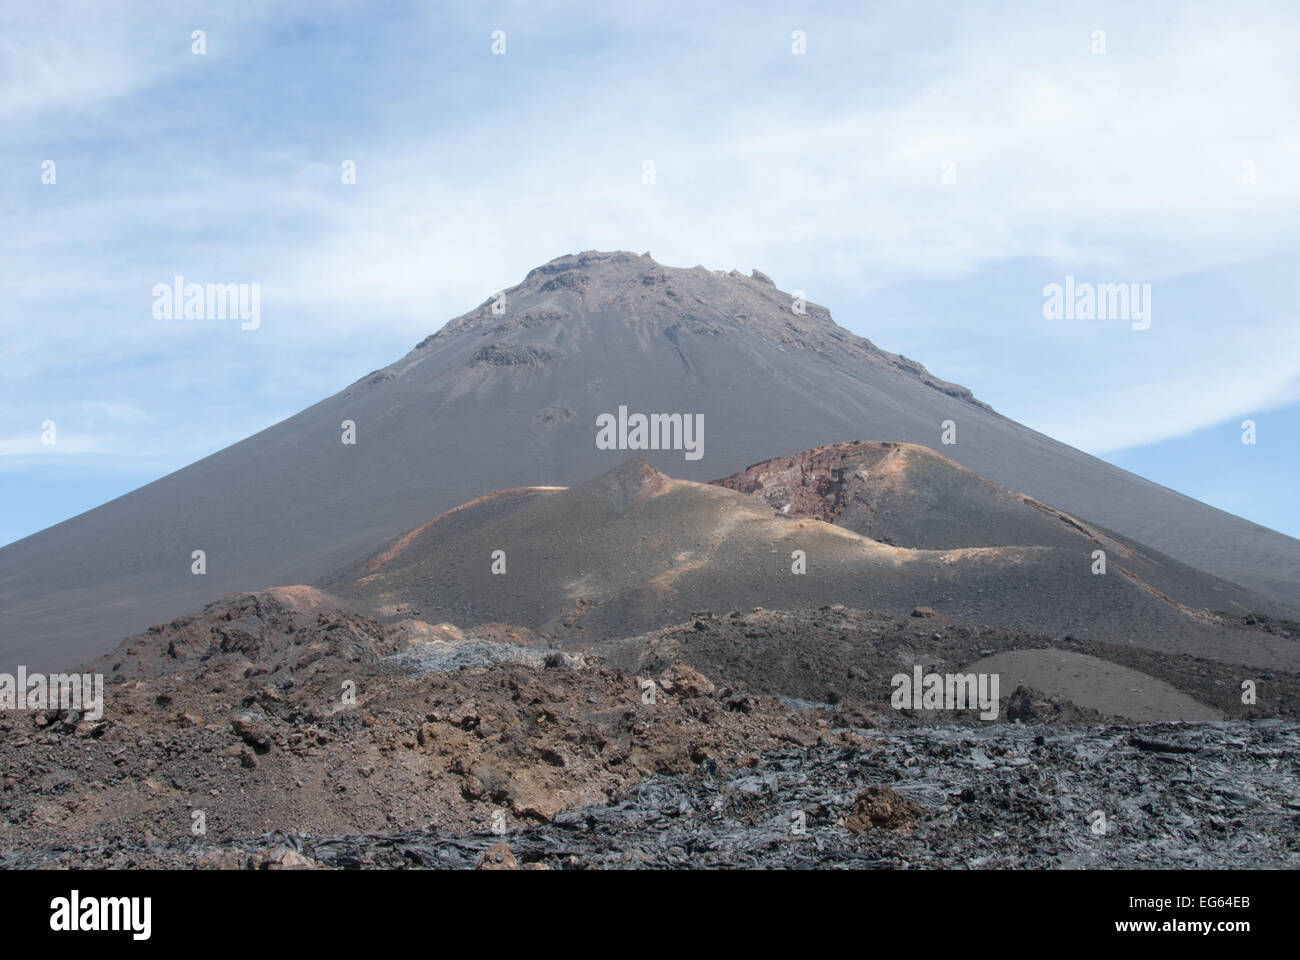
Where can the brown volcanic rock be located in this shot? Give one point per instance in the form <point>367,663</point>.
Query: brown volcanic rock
<point>882,808</point>
<point>499,856</point>
<point>448,750</point>
<point>410,749</point>
<point>898,493</point>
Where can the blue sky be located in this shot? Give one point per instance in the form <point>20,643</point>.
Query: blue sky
<point>824,170</point>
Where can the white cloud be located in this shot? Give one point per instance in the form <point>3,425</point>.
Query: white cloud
<point>115,411</point>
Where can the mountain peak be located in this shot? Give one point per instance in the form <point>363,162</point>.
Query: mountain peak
<point>589,259</point>
<point>565,303</point>
<point>627,485</point>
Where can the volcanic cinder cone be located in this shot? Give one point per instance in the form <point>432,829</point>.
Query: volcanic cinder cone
<point>508,396</point>
<point>634,550</point>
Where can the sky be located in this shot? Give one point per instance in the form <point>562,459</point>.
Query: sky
<point>923,170</point>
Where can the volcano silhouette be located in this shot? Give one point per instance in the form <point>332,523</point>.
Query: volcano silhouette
<point>509,396</point>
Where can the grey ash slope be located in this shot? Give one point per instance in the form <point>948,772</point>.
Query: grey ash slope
<point>497,401</point>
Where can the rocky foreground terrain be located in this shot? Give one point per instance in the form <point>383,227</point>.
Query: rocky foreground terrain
<point>1207,796</point>
<point>1215,796</point>
<point>276,731</point>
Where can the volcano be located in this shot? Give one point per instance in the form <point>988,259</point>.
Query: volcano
<point>634,550</point>
<point>509,397</point>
